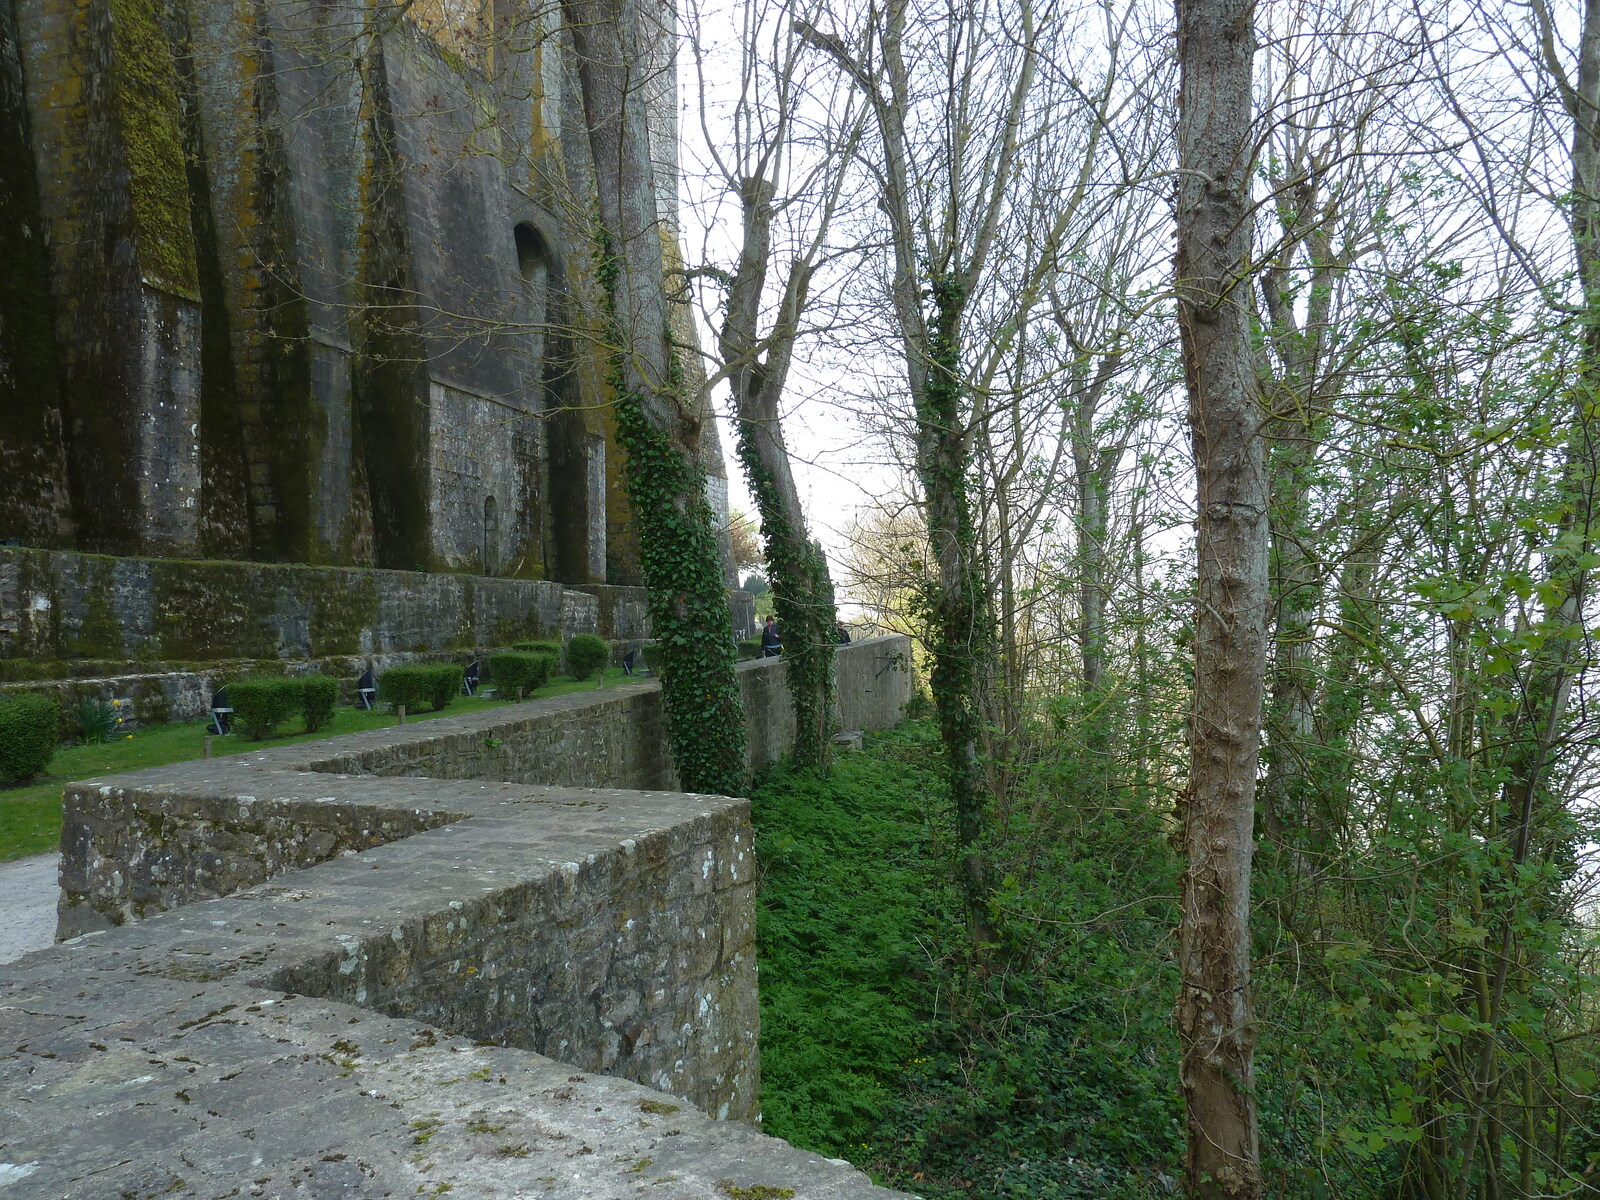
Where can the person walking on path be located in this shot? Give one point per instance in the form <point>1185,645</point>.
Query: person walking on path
<point>771,644</point>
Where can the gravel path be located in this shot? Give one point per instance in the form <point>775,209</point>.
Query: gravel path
<point>27,905</point>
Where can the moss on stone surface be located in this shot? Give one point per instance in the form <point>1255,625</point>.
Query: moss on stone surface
<point>510,629</point>
<point>463,637</point>
<point>32,457</point>
<point>100,634</point>
<point>344,604</point>
<point>144,82</point>
<point>207,610</point>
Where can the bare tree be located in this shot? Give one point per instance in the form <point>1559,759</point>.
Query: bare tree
<point>1216,50</point>
<point>943,188</point>
<point>784,160</point>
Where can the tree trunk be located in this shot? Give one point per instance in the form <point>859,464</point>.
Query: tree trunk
<point>960,636</point>
<point>943,271</point>
<point>801,590</point>
<point>1216,46</point>
<point>655,423</point>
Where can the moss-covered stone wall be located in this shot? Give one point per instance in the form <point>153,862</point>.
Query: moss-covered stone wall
<point>58,606</point>
<point>34,503</point>
<point>271,297</point>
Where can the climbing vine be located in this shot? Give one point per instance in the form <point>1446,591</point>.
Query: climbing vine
<point>689,611</point>
<point>803,596</point>
<point>959,633</point>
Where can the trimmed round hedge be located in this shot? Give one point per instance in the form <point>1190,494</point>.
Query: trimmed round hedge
<point>587,654</point>
<point>416,684</point>
<point>553,649</point>
<point>261,702</point>
<point>513,669</point>
<point>29,730</point>
<point>318,695</point>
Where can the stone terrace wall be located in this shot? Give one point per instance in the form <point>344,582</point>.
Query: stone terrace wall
<point>57,605</point>
<point>611,929</point>
<point>137,844</point>
<point>323,1034</point>
<point>166,633</point>
<point>239,1039</point>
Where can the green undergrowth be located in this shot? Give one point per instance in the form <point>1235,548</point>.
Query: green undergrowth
<point>30,817</point>
<point>1044,1069</point>
<point>850,903</point>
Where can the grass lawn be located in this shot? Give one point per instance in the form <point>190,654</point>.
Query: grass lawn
<point>30,816</point>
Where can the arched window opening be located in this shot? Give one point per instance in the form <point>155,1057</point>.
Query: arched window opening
<point>533,264</point>
<point>491,535</point>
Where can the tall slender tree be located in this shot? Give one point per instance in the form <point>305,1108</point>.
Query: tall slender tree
<point>943,218</point>
<point>1216,51</point>
<point>785,164</point>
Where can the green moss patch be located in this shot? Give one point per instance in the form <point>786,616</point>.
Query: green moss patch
<point>144,81</point>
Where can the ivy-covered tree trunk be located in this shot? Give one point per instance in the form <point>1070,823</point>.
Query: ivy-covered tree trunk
<point>1216,48</point>
<point>941,256</point>
<point>1294,806</point>
<point>960,626</point>
<point>655,424</point>
<point>802,592</point>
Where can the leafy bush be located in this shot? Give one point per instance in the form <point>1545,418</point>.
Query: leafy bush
<point>444,684</point>
<point>849,888</point>
<point>749,648</point>
<point>416,684</point>
<point>553,649</point>
<point>513,669</point>
<point>318,695</point>
<point>261,702</point>
<point>96,719</point>
<point>407,685</point>
<point>587,654</point>
<point>28,734</point>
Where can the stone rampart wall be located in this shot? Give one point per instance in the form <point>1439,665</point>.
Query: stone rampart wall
<point>874,682</point>
<point>166,633</point>
<point>200,831</point>
<point>327,1032</point>
<point>386,905</point>
<point>60,605</point>
<point>612,930</point>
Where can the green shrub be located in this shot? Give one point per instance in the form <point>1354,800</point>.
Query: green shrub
<point>28,735</point>
<point>513,669</point>
<point>407,685</point>
<point>262,701</point>
<point>318,695</point>
<point>434,684</point>
<point>444,684</point>
<point>749,648</point>
<point>553,649</point>
<point>587,654</point>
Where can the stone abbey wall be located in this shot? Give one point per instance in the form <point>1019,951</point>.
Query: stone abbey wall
<point>417,957</point>
<point>306,281</point>
<point>164,633</point>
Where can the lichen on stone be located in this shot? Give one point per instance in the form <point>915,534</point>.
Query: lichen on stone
<point>144,82</point>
